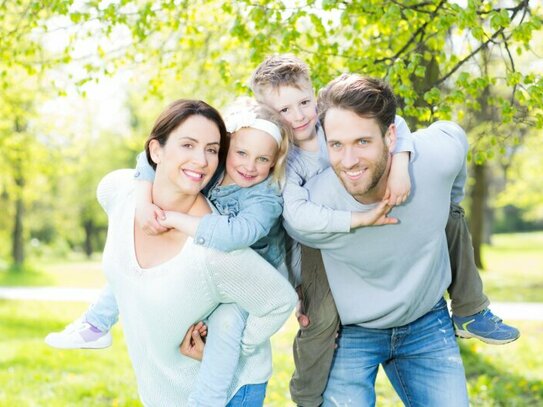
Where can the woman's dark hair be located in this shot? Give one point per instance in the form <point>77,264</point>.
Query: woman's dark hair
<point>175,114</point>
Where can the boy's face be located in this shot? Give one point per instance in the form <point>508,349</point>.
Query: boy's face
<point>297,107</point>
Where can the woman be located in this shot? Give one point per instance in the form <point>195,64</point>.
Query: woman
<point>165,283</point>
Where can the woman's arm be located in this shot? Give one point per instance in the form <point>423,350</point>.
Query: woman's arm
<point>247,279</point>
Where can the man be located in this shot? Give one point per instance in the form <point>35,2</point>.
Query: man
<point>388,281</point>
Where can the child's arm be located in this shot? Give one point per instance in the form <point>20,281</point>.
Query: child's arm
<point>259,208</point>
<point>308,217</point>
<point>147,213</point>
<point>399,183</point>
<point>302,214</point>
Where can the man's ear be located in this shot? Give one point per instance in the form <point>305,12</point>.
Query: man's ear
<point>390,137</point>
<point>155,149</point>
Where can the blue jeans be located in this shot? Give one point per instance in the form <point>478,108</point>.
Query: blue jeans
<point>250,395</point>
<point>225,327</point>
<point>421,360</point>
<point>104,313</point>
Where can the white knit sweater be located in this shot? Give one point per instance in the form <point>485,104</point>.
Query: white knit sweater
<point>158,304</point>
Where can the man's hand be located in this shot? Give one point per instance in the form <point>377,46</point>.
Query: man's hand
<point>147,216</point>
<point>193,343</point>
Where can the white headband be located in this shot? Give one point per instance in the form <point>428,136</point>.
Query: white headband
<point>247,118</point>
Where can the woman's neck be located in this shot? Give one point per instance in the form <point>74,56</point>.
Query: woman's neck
<point>170,200</point>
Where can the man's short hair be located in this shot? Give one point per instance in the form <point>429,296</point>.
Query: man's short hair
<point>277,71</point>
<point>365,96</point>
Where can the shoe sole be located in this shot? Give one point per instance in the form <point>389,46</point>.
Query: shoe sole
<point>469,335</point>
<point>93,345</point>
<point>79,347</point>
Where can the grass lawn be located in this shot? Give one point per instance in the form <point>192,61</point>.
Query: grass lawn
<point>76,271</point>
<point>32,374</point>
<point>514,267</point>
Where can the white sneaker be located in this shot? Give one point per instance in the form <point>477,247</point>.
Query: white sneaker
<point>79,335</point>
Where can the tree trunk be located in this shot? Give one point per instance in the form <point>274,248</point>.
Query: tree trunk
<point>88,225</point>
<point>477,212</point>
<point>17,243</point>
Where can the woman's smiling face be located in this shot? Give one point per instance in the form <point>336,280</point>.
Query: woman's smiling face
<point>189,157</point>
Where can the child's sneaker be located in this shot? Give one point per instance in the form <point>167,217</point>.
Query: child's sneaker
<point>485,326</point>
<point>79,335</point>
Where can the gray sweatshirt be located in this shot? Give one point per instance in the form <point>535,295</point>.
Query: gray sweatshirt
<point>388,276</point>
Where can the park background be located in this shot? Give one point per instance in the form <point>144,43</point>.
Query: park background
<point>81,82</point>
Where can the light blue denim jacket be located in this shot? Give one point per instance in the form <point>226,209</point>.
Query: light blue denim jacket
<point>249,217</point>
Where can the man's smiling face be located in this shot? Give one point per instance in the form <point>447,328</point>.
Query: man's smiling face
<point>359,154</point>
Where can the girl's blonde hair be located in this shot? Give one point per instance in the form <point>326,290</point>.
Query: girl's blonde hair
<point>278,173</point>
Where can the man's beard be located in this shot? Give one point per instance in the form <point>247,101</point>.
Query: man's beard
<point>363,187</point>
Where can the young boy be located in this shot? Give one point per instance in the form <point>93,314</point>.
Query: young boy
<point>283,82</point>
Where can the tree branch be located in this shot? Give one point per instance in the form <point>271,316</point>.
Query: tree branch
<point>499,32</point>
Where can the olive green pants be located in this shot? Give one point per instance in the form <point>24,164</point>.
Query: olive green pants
<point>314,345</point>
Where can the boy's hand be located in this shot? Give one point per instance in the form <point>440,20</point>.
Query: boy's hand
<point>398,189</point>
<point>375,217</point>
<point>399,183</point>
<point>147,216</point>
<point>193,343</point>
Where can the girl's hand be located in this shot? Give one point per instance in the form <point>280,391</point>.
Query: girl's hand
<point>171,220</point>
<point>147,216</point>
<point>193,343</point>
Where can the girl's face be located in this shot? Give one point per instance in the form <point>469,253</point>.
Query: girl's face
<point>250,158</point>
<point>190,156</point>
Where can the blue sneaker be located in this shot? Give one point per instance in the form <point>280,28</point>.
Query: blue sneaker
<point>486,327</point>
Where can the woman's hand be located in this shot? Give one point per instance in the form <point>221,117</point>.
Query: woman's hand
<point>194,341</point>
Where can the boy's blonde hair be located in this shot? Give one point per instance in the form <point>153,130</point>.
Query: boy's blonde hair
<point>261,111</point>
<point>277,71</point>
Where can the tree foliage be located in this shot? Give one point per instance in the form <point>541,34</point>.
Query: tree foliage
<point>472,61</point>
<point>428,50</point>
